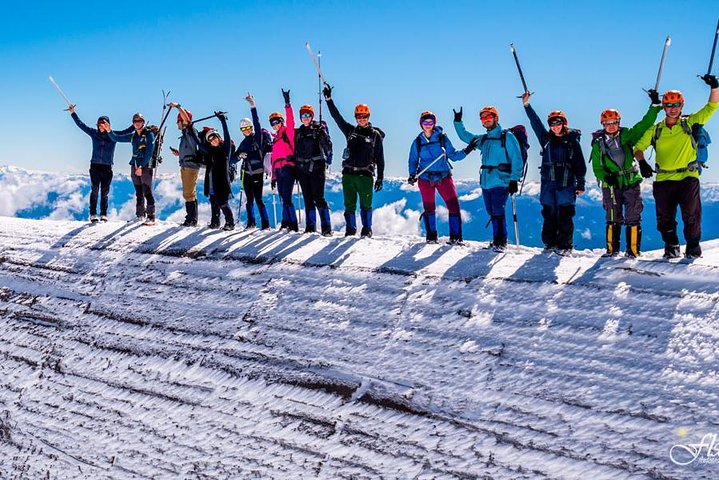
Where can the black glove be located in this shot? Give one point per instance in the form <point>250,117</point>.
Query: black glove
<point>711,80</point>
<point>378,185</point>
<point>273,184</point>
<point>457,115</point>
<point>221,115</point>
<point>286,94</point>
<point>154,129</point>
<point>471,145</point>
<point>412,179</point>
<point>611,180</point>
<point>327,91</point>
<point>654,96</point>
<point>512,188</point>
<point>645,169</point>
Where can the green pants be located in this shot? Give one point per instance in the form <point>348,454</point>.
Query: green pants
<point>354,185</point>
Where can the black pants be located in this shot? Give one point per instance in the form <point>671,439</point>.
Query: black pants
<point>101,178</point>
<point>313,187</point>
<point>684,194</point>
<point>558,226</point>
<point>252,185</point>
<point>144,199</point>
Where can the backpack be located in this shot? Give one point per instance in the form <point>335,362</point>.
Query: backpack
<point>700,141</point>
<point>520,133</point>
<point>325,147</point>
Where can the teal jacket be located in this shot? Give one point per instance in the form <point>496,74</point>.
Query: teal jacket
<point>499,165</point>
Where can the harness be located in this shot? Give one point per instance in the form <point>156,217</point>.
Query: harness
<point>502,167</point>
<point>565,165</point>
<point>442,142</point>
<point>691,166</point>
<point>322,157</point>
<point>601,141</point>
<point>346,154</point>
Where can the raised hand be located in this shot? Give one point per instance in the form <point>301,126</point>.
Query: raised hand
<point>457,115</point>
<point>327,91</point>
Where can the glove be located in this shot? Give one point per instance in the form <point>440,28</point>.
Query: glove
<point>327,91</point>
<point>221,115</point>
<point>512,188</point>
<point>457,115</point>
<point>654,96</point>
<point>611,180</point>
<point>711,80</point>
<point>273,184</point>
<point>645,169</point>
<point>412,179</point>
<point>242,156</point>
<point>286,94</point>
<point>378,184</point>
<point>154,129</point>
<point>471,145</point>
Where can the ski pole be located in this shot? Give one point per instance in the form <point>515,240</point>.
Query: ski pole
<point>69,103</point>
<point>315,61</point>
<point>274,207</point>
<point>516,223</point>
<point>667,42</point>
<point>208,117</point>
<point>519,67</point>
<point>714,47</point>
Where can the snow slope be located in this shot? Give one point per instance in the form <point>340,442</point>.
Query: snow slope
<point>136,352</point>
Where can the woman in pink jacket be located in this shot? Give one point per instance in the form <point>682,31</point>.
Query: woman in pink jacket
<point>283,161</point>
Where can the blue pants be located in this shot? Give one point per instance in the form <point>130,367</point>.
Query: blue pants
<point>495,201</point>
<point>285,183</point>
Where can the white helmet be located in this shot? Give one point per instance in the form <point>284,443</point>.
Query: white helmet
<point>245,122</point>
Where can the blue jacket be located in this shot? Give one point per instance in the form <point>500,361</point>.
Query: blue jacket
<point>103,147</point>
<point>252,148</point>
<point>429,150</point>
<point>143,146</point>
<point>499,165</point>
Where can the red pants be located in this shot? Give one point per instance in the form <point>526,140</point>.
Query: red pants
<point>446,190</point>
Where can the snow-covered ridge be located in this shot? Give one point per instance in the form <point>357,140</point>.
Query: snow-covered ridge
<point>135,352</point>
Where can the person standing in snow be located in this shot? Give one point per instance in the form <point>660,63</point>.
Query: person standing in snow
<point>217,151</point>
<point>677,182</point>
<point>251,152</point>
<point>563,173</point>
<point>363,153</point>
<point>283,161</point>
<point>501,170</point>
<point>189,158</point>
<point>429,156</point>
<point>101,161</point>
<point>613,164</point>
<point>313,150</point>
<point>143,143</point>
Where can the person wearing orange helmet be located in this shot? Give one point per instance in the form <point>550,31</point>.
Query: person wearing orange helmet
<point>618,175</point>
<point>189,157</point>
<point>563,171</point>
<point>313,153</point>
<point>364,154</point>
<point>501,170</point>
<point>677,181</point>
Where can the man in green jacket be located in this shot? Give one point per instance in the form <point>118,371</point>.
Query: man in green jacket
<point>677,182</point>
<point>618,175</point>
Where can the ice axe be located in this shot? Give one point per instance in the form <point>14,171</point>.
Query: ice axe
<point>519,68</point>
<point>667,42</point>
<point>714,48</point>
<point>69,103</point>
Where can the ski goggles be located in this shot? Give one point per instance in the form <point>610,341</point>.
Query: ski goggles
<point>610,122</point>
<point>305,115</point>
<point>672,105</point>
<point>245,129</point>
<point>428,122</point>
<point>487,117</point>
<point>276,121</point>
<point>361,116</point>
<point>556,121</point>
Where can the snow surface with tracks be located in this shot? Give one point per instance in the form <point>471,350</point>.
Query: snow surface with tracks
<point>170,353</point>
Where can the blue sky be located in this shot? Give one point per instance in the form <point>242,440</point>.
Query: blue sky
<point>399,57</point>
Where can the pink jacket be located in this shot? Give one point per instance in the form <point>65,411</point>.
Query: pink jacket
<point>283,143</point>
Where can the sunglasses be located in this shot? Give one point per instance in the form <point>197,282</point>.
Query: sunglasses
<point>673,105</point>
<point>362,116</point>
<point>428,123</point>
<point>611,122</point>
<point>275,122</point>
<point>306,115</point>
<point>246,129</point>
<point>138,121</point>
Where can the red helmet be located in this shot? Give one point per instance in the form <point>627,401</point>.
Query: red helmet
<point>427,115</point>
<point>189,115</point>
<point>489,109</point>
<point>556,115</point>
<point>362,109</point>
<point>673,96</point>
<point>307,109</point>
<point>609,115</point>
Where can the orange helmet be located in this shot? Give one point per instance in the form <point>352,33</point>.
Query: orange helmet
<point>556,115</point>
<point>673,96</point>
<point>362,109</point>
<point>609,114</point>
<point>489,109</point>
<point>276,116</point>
<point>307,109</point>
<point>427,115</point>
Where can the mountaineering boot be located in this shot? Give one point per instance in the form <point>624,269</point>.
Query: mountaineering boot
<point>310,220</point>
<point>215,216</point>
<point>366,217</point>
<point>613,237</point>
<point>251,223</point>
<point>264,218</point>
<point>499,243</point>
<point>430,226</point>
<point>191,214</point>
<point>671,251</point>
<point>350,224</point>
<point>634,241</point>
<point>292,224</point>
<point>103,218</point>
<point>229,218</point>
<point>455,229</point>
<point>325,222</point>
<point>94,219</point>
<point>693,250</point>
<point>150,221</point>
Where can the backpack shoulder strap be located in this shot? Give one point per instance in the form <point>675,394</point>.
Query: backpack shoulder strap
<point>655,137</point>
<point>688,130</point>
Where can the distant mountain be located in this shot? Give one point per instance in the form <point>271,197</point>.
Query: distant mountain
<point>58,196</point>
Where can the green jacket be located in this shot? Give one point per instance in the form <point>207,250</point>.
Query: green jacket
<point>628,137</point>
<point>674,148</point>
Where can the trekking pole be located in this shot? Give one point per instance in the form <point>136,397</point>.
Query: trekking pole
<point>714,48</point>
<point>69,103</point>
<point>319,81</point>
<point>432,163</point>
<point>274,206</point>
<point>519,68</point>
<point>667,42</point>
<point>299,203</point>
<point>207,117</point>
<point>516,223</point>
<point>242,184</point>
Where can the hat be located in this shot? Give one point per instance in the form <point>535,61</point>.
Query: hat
<point>103,118</point>
<point>138,116</point>
<point>245,122</point>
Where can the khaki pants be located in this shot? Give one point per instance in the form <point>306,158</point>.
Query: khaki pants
<point>189,183</point>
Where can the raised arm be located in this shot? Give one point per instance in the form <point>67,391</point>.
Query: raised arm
<point>120,137</point>
<point>537,125</point>
<point>345,127</point>
<point>81,124</point>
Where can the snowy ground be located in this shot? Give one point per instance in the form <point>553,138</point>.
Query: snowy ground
<point>166,353</point>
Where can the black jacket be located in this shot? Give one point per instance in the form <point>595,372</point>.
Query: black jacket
<point>364,146</point>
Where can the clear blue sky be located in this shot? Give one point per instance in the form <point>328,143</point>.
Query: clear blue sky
<point>399,57</point>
